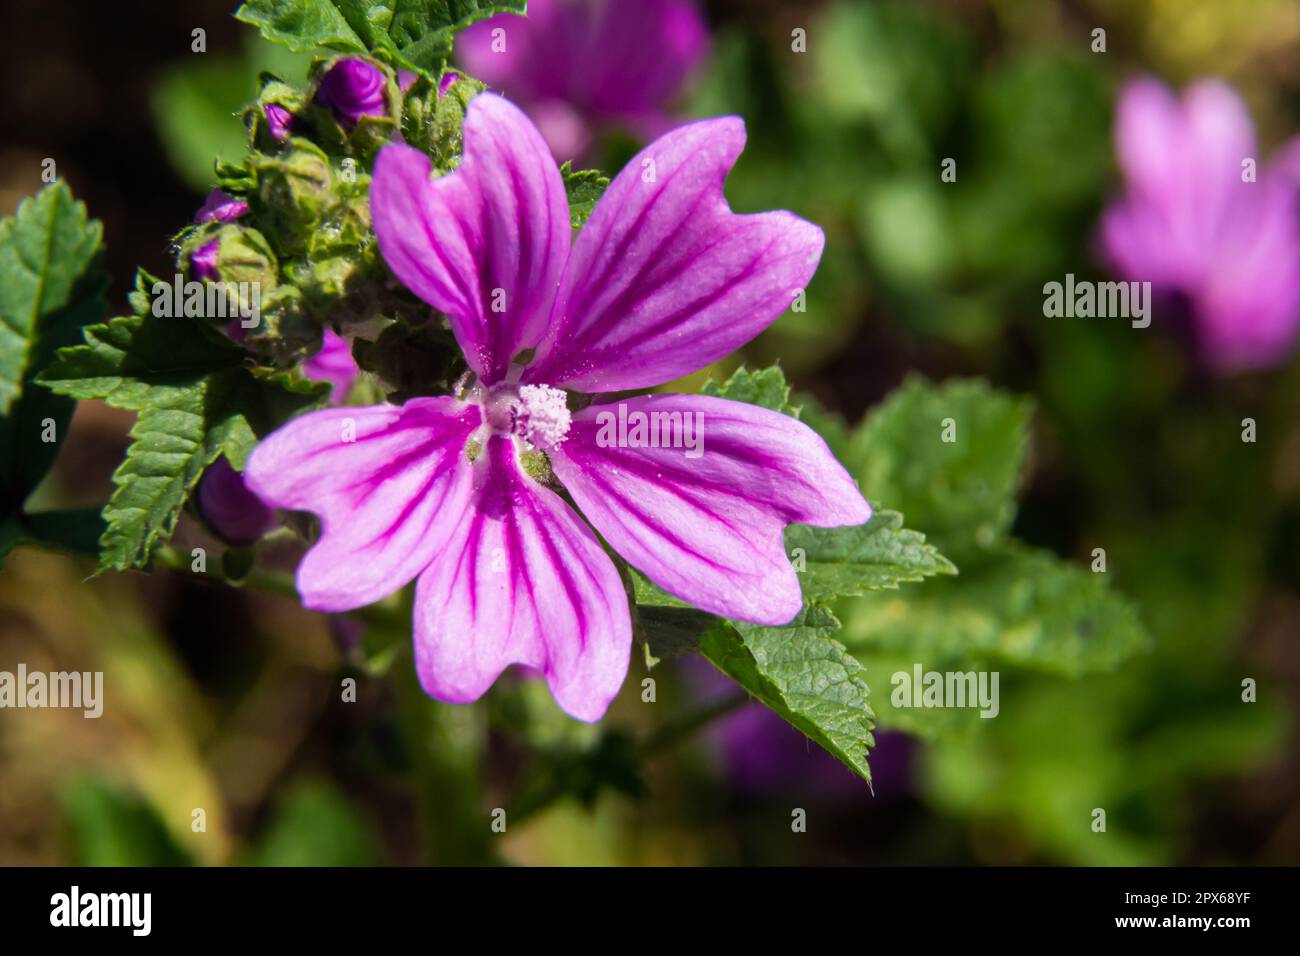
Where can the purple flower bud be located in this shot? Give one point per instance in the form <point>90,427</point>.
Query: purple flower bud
<point>279,121</point>
<point>203,261</point>
<point>220,207</point>
<point>447,82</point>
<point>233,512</point>
<point>352,89</point>
<point>406,79</point>
<point>333,364</point>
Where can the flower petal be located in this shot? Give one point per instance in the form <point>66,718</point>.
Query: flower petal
<point>486,243</point>
<point>1149,135</point>
<point>388,484</point>
<point>1183,166</point>
<point>521,580</point>
<point>704,520</point>
<point>1249,305</point>
<point>664,278</point>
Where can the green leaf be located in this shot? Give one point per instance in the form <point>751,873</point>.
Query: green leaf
<point>115,827</point>
<point>197,399</point>
<point>960,493</point>
<point>170,448</point>
<point>796,669</point>
<point>141,361</point>
<point>1021,607</point>
<point>804,675</point>
<point>766,388</point>
<point>415,34</point>
<point>316,825</point>
<point>840,562</point>
<point>584,188</point>
<point>649,593</point>
<point>52,282</point>
<point>669,631</point>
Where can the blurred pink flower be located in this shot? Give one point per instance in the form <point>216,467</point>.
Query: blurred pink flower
<point>579,66</point>
<point>761,754</point>
<point>1193,221</point>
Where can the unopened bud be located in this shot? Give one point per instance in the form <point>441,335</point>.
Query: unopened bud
<point>203,261</point>
<point>234,513</point>
<point>278,121</point>
<point>220,207</point>
<point>353,88</point>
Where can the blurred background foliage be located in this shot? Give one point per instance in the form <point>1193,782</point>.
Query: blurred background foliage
<point>228,701</point>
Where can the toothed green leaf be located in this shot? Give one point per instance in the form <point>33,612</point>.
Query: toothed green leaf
<point>765,387</point>
<point>197,398</point>
<point>841,562</point>
<point>803,674</point>
<point>415,34</point>
<point>52,282</point>
<point>948,457</point>
<point>1021,607</point>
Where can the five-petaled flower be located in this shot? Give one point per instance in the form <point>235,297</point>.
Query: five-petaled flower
<point>663,280</point>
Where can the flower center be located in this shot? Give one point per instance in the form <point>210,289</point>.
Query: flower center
<point>538,414</point>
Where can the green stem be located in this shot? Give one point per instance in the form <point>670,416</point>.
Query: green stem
<point>276,582</point>
<point>446,744</point>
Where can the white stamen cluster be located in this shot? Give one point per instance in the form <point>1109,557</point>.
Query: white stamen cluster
<point>542,416</point>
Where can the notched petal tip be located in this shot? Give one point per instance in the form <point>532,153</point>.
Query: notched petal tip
<point>521,580</point>
<point>665,278</point>
<point>702,508</point>
<point>384,482</point>
<point>485,243</point>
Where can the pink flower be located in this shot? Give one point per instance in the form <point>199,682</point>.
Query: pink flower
<point>1192,221</point>
<point>333,364</point>
<point>580,65</point>
<point>662,280</point>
